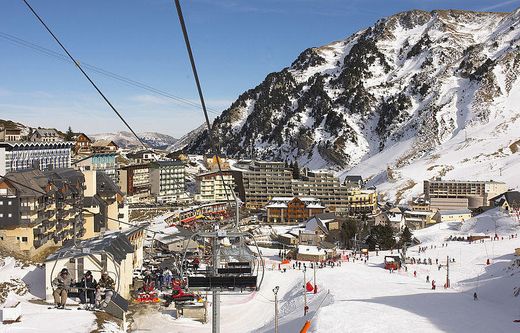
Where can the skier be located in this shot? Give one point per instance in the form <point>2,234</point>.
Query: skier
<point>427,278</point>
<point>167,277</point>
<point>414,273</point>
<point>62,284</point>
<point>433,284</point>
<point>105,287</point>
<point>475,298</point>
<point>87,287</point>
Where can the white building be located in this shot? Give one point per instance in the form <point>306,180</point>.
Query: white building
<point>16,156</point>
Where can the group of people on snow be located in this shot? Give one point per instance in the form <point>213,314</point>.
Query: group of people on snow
<point>158,278</point>
<point>97,293</point>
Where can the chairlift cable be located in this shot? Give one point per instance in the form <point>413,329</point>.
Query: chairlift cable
<point>85,74</point>
<point>131,82</point>
<point>214,145</point>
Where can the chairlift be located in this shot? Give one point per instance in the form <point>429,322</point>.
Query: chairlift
<point>233,268</point>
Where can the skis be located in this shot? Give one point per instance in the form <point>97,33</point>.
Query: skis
<point>57,308</point>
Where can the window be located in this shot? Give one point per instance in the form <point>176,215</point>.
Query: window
<point>1,214</point>
<point>9,215</point>
<point>24,239</point>
<point>1,203</point>
<point>9,202</point>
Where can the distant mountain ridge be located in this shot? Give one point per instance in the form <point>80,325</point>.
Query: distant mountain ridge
<point>127,140</point>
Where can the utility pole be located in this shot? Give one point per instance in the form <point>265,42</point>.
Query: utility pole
<point>315,284</point>
<point>447,271</point>
<point>215,322</point>
<point>275,291</point>
<point>304,293</point>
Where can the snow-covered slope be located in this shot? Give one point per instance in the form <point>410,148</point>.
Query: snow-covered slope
<point>419,93</point>
<point>364,297</point>
<point>128,140</point>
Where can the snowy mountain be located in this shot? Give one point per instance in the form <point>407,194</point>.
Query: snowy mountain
<point>418,94</point>
<point>187,138</point>
<point>127,140</point>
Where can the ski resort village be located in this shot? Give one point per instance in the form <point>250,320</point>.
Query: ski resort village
<point>372,185</point>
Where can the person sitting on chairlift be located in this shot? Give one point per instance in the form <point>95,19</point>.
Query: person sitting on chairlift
<point>105,287</point>
<point>62,284</point>
<point>86,290</point>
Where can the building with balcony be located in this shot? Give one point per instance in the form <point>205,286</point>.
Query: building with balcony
<point>292,210</point>
<point>210,187</point>
<point>40,209</point>
<point>457,194</point>
<point>168,180</point>
<point>105,207</point>
<point>134,181</point>
<point>82,144</point>
<point>16,156</point>
<point>265,180</point>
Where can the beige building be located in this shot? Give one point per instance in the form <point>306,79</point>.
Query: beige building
<point>104,204</point>
<point>10,134</point>
<point>40,209</point>
<point>458,215</point>
<point>265,180</point>
<point>455,194</point>
<point>210,187</point>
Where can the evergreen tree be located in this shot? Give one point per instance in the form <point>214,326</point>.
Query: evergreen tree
<point>348,231</point>
<point>383,236</point>
<point>69,135</point>
<point>406,236</point>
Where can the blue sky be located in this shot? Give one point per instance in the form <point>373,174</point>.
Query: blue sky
<point>236,44</point>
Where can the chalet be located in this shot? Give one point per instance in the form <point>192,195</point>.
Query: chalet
<point>45,135</point>
<point>83,144</point>
<point>287,210</point>
<point>104,146</point>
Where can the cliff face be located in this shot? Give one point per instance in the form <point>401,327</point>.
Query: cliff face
<point>419,77</point>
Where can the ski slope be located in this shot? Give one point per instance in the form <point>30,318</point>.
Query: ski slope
<point>367,298</point>
<point>362,297</point>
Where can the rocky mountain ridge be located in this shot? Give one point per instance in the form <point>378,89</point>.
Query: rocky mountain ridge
<point>416,75</point>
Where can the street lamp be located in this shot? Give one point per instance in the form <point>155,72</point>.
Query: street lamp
<point>275,291</point>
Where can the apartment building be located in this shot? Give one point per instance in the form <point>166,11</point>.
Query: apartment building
<point>134,181</point>
<point>456,194</point>
<point>292,210</point>
<point>210,187</point>
<point>40,209</point>
<point>324,186</point>
<point>168,180</point>
<point>16,156</point>
<point>265,180</point>
<point>104,203</point>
